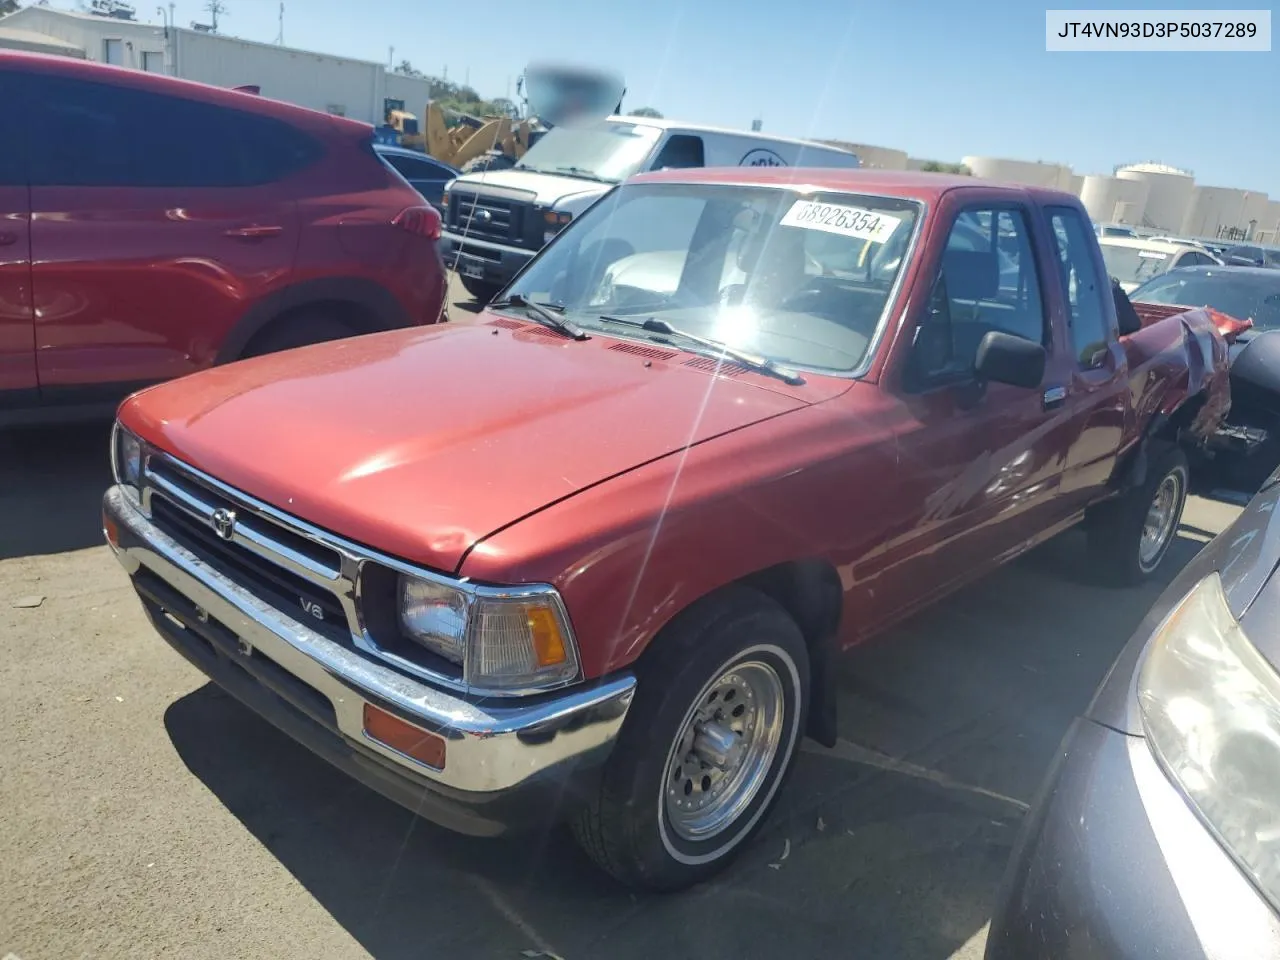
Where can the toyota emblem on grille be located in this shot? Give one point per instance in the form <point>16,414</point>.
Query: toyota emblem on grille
<point>484,215</point>
<point>224,522</point>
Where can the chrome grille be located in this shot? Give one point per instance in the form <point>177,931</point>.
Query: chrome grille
<point>487,218</point>
<point>303,572</point>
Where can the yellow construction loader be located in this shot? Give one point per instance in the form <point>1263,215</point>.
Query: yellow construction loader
<point>551,95</point>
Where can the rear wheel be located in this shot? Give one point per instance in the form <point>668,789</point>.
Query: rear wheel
<point>298,330</point>
<point>480,289</point>
<point>1130,535</point>
<point>711,737</point>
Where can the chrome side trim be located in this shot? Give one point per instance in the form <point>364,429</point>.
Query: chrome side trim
<point>491,746</point>
<point>254,533</point>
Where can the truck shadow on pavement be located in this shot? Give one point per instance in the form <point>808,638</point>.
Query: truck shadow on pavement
<point>51,486</point>
<point>890,845</point>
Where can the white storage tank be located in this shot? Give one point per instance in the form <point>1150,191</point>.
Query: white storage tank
<point>1025,172</point>
<point>1112,200</point>
<point>1211,209</point>
<point>1168,193</point>
<point>1254,212</point>
<point>1269,226</point>
<point>877,158</point>
<point>1076,185</point>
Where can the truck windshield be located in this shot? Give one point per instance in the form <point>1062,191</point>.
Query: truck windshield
<point>802,280</point>
<point>609,151</point>
<point>1134,265</point>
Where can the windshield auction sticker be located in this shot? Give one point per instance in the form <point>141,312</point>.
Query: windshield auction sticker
<point>836,218</point>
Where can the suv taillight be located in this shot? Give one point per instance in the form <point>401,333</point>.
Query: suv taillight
<point>423,221</point>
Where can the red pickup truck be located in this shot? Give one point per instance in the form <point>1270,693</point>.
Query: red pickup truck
<point>592,556</point>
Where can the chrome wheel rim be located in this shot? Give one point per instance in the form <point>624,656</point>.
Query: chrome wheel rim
<point>1162,515</point>
<point>722,755</point>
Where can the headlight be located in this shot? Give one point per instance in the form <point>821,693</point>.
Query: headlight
<point>1210,705</point>
<point>502,642</point>
<point>126,457</point>
<point>556,220</point>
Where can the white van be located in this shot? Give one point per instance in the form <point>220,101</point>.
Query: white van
<point>496,220</point>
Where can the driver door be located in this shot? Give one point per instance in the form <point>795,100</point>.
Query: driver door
<point>979,463</point>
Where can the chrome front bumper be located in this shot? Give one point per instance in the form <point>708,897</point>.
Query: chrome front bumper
<point>491,746</point>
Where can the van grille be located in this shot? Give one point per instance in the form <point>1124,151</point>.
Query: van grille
<point>485,217</point>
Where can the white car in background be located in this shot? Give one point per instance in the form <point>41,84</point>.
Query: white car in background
<point>1133,261</point>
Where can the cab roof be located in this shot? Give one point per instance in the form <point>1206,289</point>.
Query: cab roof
<point>909,184</point>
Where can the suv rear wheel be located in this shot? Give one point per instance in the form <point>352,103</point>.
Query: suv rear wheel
<point>298,330</point>
<point>711,737</point>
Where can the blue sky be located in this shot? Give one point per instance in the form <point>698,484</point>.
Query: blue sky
<point>939,80</point>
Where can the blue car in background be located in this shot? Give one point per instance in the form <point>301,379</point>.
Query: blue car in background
<point>425,174</point>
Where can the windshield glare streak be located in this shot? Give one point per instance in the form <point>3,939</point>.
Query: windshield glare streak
<point>803,281</point>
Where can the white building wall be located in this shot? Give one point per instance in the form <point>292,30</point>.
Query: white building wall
<point>1076,184</point>
<point>90,33</point>
<point>1018,171</point>
<point>413,91</point>
<point>1168,196</point>
<point>1112,200</point>
<point>351,88</point>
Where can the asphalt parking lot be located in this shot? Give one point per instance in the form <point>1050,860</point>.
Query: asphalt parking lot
<point>146,814</point>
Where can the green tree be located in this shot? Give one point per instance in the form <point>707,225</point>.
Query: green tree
<point>7,7</point>
<point>933,166</point>
<point>405,68</point>
<point>646,112</point>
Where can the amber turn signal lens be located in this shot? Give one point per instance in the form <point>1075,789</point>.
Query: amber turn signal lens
<point>110,531</point>
<point>548,644</point>
<point>403,737</point>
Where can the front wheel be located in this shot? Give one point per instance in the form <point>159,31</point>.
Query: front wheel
<point>712,735</point>
<point>1130,535</point>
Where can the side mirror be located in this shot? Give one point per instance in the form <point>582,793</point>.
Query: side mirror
<point>1004,358</point>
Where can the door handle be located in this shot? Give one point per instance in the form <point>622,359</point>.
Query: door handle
<point>254,232</point>
<point>1054,397</point>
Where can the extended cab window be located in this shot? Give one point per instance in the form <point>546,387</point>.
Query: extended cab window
<point>126,137</point>
<point>988,281</point>
<point>1081,285</point>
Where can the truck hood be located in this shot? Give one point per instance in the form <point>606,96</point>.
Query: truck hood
<point>419,443</point>
<point>544,189</point>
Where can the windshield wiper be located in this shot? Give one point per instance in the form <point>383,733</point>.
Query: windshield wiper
<point>751,360</point>
<point>542,313</point>
<point>579,172</point>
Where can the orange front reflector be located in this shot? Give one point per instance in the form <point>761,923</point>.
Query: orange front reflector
<point>110,531</point>
<point>548,645</point>
<point>422,745</point>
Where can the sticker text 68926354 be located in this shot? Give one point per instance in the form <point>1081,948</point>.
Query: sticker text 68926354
<point>836,218</point>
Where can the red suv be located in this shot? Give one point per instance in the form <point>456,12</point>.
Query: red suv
<point>150,227</point>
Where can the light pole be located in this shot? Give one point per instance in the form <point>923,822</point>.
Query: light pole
<point>166,17</point>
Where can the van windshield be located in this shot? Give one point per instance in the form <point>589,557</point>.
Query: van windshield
<point>803,280</point>
<point>608,151</point>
